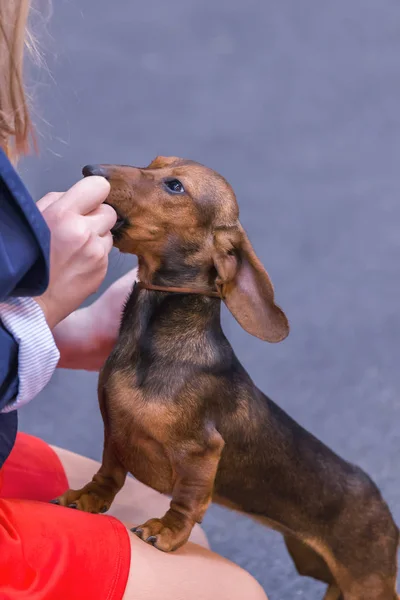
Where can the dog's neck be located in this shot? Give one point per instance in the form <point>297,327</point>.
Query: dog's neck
<point>168,326</point>
<point>176,272</point>
<point>182,321</point>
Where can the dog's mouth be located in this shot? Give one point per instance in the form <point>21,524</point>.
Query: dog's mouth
<point>120,223</point>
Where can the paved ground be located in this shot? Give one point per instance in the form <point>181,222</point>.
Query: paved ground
<point>297,104</point>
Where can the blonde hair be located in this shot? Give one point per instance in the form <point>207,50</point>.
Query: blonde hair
<point>16,130</point>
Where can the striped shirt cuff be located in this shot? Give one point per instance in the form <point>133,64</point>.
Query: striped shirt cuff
<point>38,354</point>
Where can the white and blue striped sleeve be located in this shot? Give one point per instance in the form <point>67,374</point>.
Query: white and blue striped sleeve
<point>38,354</point>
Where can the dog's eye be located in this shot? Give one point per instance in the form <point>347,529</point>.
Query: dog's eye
<point>175,186</point>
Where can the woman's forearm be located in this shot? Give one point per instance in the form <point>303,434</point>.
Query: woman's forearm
<point>83,343</point>
<point>86,337</point>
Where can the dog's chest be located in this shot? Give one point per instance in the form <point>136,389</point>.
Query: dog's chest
<point>131,425</point>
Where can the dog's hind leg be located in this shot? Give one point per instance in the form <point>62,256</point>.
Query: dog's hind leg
<point>365,569</point>
<point>310,564</point>
<point>307,561</point>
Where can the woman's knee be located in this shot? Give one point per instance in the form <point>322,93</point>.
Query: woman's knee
<point>191,572</point>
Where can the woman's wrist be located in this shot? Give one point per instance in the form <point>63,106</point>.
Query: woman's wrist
<point>51,318</point>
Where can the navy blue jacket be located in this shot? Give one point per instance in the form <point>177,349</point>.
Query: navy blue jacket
<point>24,271</point>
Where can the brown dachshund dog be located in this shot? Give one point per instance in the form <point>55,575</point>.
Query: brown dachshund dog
<point>184,417</point>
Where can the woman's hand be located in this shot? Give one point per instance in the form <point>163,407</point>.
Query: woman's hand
<point>80,226</point>
<point>86,337</point>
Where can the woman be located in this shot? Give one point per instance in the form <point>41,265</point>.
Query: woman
<point>52,257</point>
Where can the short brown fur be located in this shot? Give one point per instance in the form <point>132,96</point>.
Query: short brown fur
<point>183,416</point>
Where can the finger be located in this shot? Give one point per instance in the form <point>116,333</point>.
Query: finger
<point>101,220</point>
<point>48,199</point>
<point>86,195</point>
<point>107,241</point>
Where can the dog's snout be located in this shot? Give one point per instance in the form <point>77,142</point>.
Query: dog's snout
<point>89,170</point>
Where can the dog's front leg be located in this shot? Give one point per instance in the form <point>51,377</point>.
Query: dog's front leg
<point>98,495</point>
<point>195,465</point>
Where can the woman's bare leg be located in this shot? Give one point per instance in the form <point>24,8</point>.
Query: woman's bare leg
<point>134,504</point>
<point>190,573</point>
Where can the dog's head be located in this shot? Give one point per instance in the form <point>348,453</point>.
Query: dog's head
<point>182,220</point>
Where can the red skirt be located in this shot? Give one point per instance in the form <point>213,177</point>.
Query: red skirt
<point>48,552</point>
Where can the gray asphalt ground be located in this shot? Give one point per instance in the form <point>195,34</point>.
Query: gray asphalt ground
<point>298,105</point>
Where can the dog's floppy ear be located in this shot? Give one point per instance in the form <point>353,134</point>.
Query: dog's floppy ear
<point>246,287</point>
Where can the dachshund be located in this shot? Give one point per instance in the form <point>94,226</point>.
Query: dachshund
<point>183,416</point>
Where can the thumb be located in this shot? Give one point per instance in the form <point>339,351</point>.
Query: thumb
<point>48,199</point>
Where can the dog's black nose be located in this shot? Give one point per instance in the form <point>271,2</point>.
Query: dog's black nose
<point>89,170</point>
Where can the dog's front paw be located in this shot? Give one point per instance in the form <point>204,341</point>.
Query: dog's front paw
<point>166,534</point>
<point>91,499</point>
